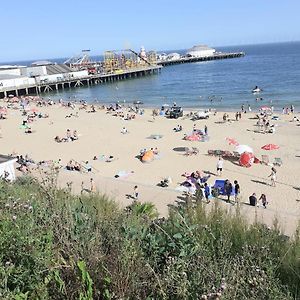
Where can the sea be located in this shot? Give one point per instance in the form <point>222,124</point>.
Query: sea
<point>221,84</point>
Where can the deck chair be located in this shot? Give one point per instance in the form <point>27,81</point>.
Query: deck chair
<point>265,159</point>
<point>195,150</point>
<point>236,154</point>
<point>210,152</point>
<point>218,152</point>
<point>277,161</point>
<point>227,154</point>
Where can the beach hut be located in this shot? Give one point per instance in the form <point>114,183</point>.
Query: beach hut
<point>7,167</point>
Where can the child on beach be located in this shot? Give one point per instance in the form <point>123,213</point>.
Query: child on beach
<point>135,192</point>
<point>273,176</point>
<point>93,187</point>
<point>263,200</point>
<point>207,192</point>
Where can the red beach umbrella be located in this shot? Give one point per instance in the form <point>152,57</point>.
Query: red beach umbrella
<point>270,147</point>
<point>232,141</point>
<point>246,159</point>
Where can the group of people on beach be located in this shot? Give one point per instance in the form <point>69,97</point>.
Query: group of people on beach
<point>70,137</point>
<point>73,165</point>
<point>286,110</point>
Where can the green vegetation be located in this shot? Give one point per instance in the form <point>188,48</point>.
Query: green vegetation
<point>57,246</point>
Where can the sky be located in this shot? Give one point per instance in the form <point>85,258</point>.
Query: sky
<point>62,28</point>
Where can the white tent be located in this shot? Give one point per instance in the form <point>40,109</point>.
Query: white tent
<point>7,168</point>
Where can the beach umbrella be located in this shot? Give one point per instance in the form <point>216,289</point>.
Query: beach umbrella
<point>243,148</point>
<point>148,156</point>
<point>246,159</point>
<point>270,147</point>
<point>232,141</point>
<point>193,137</point>
<point>265,108</point>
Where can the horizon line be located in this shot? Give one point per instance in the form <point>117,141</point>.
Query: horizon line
<point>163,50</point>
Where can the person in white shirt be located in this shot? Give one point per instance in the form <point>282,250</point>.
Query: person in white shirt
<point>124,130</point>
<point>220,166</point>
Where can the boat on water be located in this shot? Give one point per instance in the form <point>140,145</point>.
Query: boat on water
<point>138,102</point>
<point>256,90</point>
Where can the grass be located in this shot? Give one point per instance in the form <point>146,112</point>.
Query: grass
<point>54,245</point>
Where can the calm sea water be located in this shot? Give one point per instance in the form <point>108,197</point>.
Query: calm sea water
<point>228,83</point>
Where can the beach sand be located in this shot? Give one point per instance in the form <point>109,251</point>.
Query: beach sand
<point>100,134</point>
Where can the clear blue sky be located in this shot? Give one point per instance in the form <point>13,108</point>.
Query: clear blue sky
<point>51,28</point>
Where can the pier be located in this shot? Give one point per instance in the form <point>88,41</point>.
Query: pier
<point>215,56</point>
<point>62,83</point>
<point>44,77</point>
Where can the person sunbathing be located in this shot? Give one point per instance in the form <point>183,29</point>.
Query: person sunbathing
<point>70,166</point>
<point>58,139</point>
<point>77,167</point>
<point>110,158</point>
<point>28,130</point>
<point>75,136</point>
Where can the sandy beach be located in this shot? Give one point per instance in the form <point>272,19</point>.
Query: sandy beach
<point>99,134</point>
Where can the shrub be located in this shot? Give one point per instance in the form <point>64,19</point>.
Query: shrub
<point>54,245</point>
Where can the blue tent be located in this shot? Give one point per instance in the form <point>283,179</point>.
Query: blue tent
<point>219,184</point>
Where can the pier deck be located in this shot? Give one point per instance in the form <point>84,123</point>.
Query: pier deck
<point>216,56</point>
<point>44,87</point>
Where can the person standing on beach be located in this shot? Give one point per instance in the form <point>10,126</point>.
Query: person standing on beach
<point>292,108</point>
<point>228,189</point>
<point>220,166</point>
<point>236,190</point>
<point>207,192</point>
<point>194,127</point>
<point>264,201</point>
<point>93,186</point>
<point>135,192</point>
<point>273,176</point>
<point>205,130</point>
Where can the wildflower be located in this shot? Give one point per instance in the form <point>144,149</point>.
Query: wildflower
<point>14,218</point>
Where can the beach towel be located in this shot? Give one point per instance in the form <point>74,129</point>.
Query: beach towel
<point>123,174</point>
